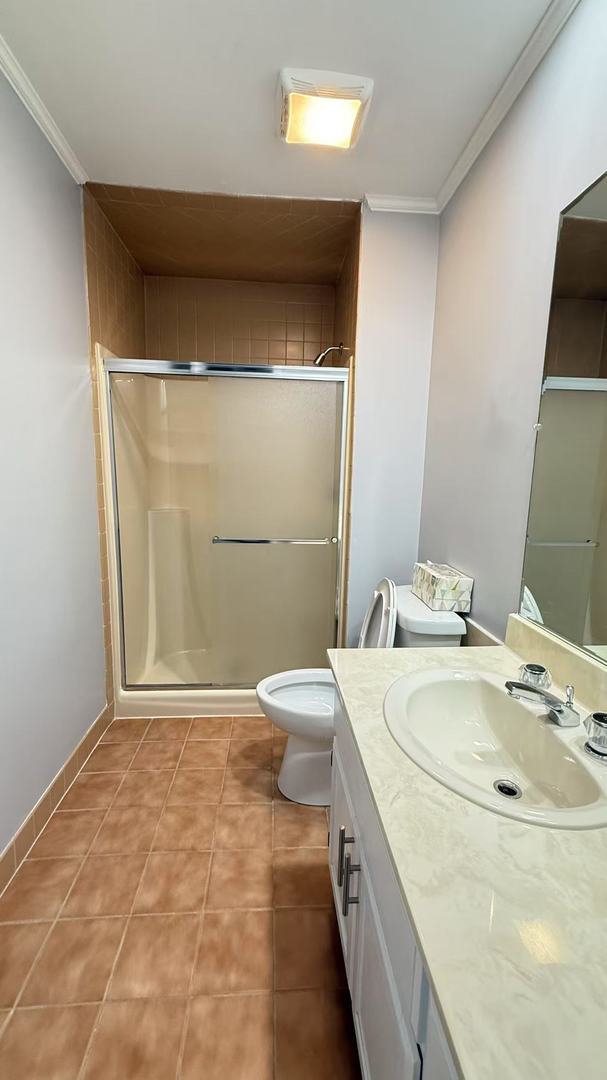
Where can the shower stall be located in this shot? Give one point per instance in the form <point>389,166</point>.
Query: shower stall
<point>226,507</point>
<point>565,568</point>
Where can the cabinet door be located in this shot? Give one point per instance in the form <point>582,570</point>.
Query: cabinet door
<point>387,1048</point>
<point>343,841</point>
<point>438,1062</point>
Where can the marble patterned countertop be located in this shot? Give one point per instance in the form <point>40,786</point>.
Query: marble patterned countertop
<point>511,918</point>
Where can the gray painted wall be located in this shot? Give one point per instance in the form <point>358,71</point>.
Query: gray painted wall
<point>51,654</point>
<point>497,245</point>
<point>397,283</point>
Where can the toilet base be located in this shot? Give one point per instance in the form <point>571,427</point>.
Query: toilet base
<point>305,773</point>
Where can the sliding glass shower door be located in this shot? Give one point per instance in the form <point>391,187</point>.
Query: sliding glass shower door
<point>565,568</point>
<point>228,488</point>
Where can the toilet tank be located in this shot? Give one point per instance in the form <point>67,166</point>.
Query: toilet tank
<point>417,626</point>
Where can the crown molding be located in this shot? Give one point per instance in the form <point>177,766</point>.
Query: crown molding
<point>536,48</point>
<point>548,28</point>
<point>402,204</point>
<point>22,86</point>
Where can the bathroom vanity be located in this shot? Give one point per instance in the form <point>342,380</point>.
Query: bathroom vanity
<point>474,944</point>
<point>395,1016</point>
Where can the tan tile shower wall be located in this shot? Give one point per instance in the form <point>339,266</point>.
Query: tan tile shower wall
<point>237,321</point>
<point>117,322</point>
<point>115,287</point>
<point>346,295</point>
<point>231,237</point>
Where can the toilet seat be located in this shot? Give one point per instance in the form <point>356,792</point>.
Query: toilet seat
<point>379,626</point>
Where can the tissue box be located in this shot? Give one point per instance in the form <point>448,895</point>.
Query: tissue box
<point>442,587</point>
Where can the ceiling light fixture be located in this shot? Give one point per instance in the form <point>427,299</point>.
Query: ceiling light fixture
<point>322,108</point>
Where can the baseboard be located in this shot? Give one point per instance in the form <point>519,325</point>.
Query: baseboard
<point>17,848</point>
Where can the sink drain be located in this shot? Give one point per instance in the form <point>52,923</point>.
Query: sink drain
<point>508,789</point>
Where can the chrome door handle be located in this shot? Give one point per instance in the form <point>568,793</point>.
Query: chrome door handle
<point>350,868</point>
<point>341,852</point>
<point>268,540</point>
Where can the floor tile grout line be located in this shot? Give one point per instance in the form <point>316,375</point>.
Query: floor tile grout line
<point>199,932</point>
<point>169,850</point>
<point>84,856</point>
<point>160,997</point>
<point>54,810</point>
<point>57,809</point>
<point>129,916</point>
<point>186,911</point>
<point>274,1044</point>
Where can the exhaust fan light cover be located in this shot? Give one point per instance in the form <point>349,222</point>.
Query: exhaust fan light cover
<point>322,108</point>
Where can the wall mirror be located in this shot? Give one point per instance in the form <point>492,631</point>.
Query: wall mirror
<point>564,582</point>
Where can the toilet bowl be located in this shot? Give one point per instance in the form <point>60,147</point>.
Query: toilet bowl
<point>302,702</point>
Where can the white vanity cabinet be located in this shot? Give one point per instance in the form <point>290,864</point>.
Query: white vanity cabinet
<point>397,1026</point>
<point>386,1043</point>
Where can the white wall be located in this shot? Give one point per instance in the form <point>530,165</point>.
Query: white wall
<point>497,245</point>
<point>51,652</point>
<point>397,278</point>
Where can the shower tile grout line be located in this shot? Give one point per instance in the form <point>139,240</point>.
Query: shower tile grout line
<point>129,916</point>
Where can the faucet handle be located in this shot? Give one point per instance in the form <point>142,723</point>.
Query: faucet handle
<point>535,675</point>
<point>596,726</point>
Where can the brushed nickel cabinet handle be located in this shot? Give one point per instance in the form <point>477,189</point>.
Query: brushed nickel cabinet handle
<point>349,868</point>
<point>341,852</point>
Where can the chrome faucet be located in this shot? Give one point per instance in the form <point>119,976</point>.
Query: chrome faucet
<point>562,713</point>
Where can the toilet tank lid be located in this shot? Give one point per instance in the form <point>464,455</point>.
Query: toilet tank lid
<point>418,618</point>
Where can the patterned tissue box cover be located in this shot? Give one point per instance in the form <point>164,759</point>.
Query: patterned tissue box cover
<point>442,587</point>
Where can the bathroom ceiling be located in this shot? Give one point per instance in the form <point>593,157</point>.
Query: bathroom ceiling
<point>227,236</point>
<point>182,95</point>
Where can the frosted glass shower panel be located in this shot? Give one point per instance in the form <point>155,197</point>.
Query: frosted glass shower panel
<point>206,465</point>
<point>564,566</point>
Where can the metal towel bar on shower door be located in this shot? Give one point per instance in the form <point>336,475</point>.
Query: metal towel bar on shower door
<point>564,543</point>
<point>254,540</point>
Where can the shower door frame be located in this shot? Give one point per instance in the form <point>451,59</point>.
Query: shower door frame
<point>233,695</point>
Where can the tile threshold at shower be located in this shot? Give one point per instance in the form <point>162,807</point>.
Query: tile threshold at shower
<point>175,919</point>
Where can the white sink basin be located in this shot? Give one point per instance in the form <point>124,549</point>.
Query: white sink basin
<point>467,732</point>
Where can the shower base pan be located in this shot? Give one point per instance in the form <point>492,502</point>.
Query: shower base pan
<point>182,700</point>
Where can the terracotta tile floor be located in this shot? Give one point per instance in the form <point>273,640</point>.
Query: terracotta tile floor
<point>175,920</point>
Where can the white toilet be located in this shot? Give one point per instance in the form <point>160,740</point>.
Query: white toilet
<point>302,702</point>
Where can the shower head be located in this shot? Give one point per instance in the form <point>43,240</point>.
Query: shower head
<point>320,359</point>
